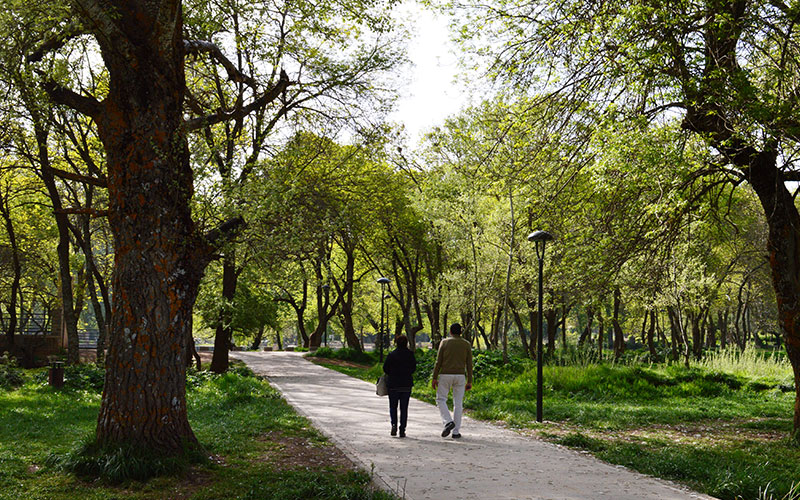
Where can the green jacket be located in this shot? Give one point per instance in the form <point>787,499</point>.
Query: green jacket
<point>454,358</point>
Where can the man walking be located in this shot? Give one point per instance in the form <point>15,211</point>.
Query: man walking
<point>453,370</point>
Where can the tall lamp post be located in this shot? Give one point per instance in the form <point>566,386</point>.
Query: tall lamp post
<point>383,281</point>
<point>539,238</point>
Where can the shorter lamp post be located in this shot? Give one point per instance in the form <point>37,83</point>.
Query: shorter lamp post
<point>539,238</point>
<point>383,281</point>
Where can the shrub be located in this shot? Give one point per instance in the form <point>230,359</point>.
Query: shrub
<point>11,375</point>
<point>86,377</point>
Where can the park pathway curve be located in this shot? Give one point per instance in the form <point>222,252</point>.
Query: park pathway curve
<point>487,463</point>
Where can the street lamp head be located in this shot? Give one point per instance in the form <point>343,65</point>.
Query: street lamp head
<point>540,236</point>
<point>383,280</point>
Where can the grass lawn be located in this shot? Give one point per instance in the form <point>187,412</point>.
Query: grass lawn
<point>719,430</point>
<point>259,448</point>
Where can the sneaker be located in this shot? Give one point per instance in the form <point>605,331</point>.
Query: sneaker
<point>402,433</point>
<point>447,428</point>
<point>456,435</point>
<point>394,430</point>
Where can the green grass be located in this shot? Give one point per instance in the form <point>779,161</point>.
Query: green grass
<point>721,427</point>
<point>239,420</point>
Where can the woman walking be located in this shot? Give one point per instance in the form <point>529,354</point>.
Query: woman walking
<point>399,369</point>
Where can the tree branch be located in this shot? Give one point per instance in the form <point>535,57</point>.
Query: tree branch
<point>55,42</point>
<point>89,106</point>
<point>94,181</point>
<point>193,47</point>
<point>240,112</point>
<point>223,233</point>
<point>82,211</point>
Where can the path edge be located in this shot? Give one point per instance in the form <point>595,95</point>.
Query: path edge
<point>379,479</point>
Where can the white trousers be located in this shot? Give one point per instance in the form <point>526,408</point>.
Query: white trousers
<point>458,383</point>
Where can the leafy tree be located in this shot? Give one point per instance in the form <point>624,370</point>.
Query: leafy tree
<point>729,68</point>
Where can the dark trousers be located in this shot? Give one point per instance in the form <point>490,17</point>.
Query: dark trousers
<point>401,398</point>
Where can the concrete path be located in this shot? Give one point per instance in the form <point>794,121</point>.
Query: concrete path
<point>487,463</point>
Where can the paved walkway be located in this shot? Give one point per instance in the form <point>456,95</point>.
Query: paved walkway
<point>488,463</point>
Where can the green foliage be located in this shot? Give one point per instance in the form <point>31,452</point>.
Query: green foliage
<point>231,415</point>
<point>490,365</point>
<point>729,474</point>
<point>345,354</point>
<point>11,376</point>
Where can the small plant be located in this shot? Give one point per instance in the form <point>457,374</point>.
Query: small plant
<point>11,375</point>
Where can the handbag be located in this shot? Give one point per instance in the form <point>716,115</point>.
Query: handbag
<point>380,388</point>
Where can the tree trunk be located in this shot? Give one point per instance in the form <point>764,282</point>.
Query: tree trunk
<point>600,333</point>
<point>521,329</point>
<point>68,317</point>
<point>257,340</point>
<point>432,311</point>
<point>159,255</point>
<point>551,316</point>
<point>223,337</point>
<point>619,338</point>
<point>16,268</point>
<point>650,334</point>
<point>586,334</point>
<point>347,304</point>
<point>722,322</point>
<point>783,245</point>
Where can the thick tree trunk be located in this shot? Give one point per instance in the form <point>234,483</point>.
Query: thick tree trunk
<point>223,336</point>
<point>783,245</point>
<point>159,256</point>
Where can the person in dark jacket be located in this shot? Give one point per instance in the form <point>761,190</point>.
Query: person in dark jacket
<point>399,369</point>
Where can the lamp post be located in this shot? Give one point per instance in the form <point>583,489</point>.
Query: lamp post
<point>383,281</point>
<point>539,238</point>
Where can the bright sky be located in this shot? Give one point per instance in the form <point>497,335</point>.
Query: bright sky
<point>430,94</point>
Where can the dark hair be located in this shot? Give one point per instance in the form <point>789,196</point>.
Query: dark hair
<point>401,341</point>
<point>455,329</point>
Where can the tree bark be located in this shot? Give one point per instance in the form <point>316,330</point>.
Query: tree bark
<point>586,334</point>
<point>5,211</point>
<point>68,316</point>
<point>783,246</point>
<point>619,339</point>
<point>159,255</point>
<point>223,336</point>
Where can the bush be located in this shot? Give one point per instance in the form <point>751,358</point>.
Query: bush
<point>11,375</point>
<point>85,377</point>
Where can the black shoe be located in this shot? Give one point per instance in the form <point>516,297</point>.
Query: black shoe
<point>394,430</point>
<point>447,428</point>
<point>402,433</point>
<point>456,435</point>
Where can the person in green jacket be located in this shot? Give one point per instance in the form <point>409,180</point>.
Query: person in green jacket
<point>453,370</point>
